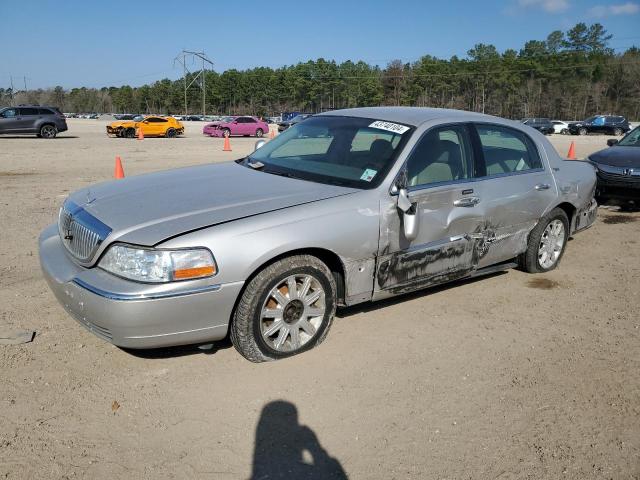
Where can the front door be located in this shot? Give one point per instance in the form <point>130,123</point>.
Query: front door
<point>9,120</point>
<point>440,178</point>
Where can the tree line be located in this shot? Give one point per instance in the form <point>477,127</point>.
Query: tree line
<point>568,75</point>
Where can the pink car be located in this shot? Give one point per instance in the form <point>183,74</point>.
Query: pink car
<point>228,126</point>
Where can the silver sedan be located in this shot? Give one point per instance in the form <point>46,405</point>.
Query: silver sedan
<point>345,207</point>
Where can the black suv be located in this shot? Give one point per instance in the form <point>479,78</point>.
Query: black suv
<point>607,124</point>
<point>45,122</point>
<point>543,125</point>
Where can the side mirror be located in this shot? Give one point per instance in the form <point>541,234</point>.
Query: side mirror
<point>612,141</point>
<point>145,121</point>
<point>258,144</point>
<point>409,215</point>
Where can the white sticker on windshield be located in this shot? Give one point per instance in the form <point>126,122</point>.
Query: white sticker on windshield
<point>368,175</point>
<point>389,127</point>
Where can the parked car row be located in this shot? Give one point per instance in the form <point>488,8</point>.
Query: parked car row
<point>604,124</point>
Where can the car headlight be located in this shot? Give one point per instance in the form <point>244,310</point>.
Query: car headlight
<point>158,266</point>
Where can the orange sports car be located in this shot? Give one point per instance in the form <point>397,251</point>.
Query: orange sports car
<point>152,126</point>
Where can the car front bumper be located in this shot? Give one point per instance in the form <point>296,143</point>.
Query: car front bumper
<point>212,132</point>
<point>618,183</point>
<point>131,314</point>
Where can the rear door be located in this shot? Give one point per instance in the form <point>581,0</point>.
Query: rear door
<point>27,119</point>
<point>442,189</point>
<point>516,188</point>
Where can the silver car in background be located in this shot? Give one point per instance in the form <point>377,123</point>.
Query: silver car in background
<point>346,207</point>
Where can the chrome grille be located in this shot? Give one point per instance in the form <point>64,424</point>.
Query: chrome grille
<point>619,179</point>
<point>80,232</point>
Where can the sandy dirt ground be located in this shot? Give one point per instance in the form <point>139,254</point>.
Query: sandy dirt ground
<point>512,376</point>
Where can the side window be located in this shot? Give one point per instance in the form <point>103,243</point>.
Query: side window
<point>507,150</point>
<point>156,120</point>
<point>28,111</point>
<point>44,111</point>
<point>9,113</point>
<point>443,154</point>
<point>249,120</point>
<point>241,120</point>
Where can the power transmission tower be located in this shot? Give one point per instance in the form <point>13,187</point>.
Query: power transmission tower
<point>185,57</point>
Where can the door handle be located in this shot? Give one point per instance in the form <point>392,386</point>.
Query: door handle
<point>542,186</point>
<point>466,202</point>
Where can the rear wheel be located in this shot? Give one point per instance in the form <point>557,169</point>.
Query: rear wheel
<point>286,309</point>
<point>565,131</point>
<point>259,133</point>
<point>48,131</point>
<point>547,242</point>
<point>170,133</point>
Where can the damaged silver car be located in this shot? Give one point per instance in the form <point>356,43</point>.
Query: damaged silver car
<point>346,207</point>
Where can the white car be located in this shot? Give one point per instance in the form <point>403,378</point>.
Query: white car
<point>560,127</point>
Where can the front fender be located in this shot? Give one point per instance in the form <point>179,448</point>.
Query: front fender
<point>347,226</point>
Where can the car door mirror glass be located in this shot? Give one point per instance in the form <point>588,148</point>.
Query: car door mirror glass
<point>258,144</point>
<point>612,141</point>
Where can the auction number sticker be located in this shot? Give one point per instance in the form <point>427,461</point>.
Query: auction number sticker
<point>368,174</point>
<point>389,127</point>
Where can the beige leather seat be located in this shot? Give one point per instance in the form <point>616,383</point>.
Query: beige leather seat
<point>442,163</point>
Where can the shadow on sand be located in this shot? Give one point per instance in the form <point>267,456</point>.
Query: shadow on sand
<point>286,449</point>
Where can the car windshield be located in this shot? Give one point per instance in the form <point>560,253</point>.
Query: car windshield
<point>631,139</point>
<point>354,152</point>
<point>590,120</point>
<point>227,119</point>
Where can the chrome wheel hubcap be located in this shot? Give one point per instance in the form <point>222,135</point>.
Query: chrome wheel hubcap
<point>551,244</point>
<point>292,313</point>
<point>48,132</point>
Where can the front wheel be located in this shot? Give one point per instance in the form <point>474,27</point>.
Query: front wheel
<point>582,131</point>
<point>226,132</point>
<point>617,132</point>
<point>130,133</point>
<point>48,131</point>
<point>547,242</point>
<point>565,131</point>
<point>286,309</point>
<point>259,133</point>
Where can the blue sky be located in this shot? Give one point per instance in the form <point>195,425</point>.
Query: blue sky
<point>90,43</point>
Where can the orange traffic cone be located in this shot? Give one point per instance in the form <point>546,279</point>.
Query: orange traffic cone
<point>272,134</point>
<point>227,145</point>
<point>140,134</point>
<point>572,152</point>
<point>118,172</point>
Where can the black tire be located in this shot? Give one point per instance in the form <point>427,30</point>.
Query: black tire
<point>259,133</point>
<point>617,132</point>
<point>130,133</point>
<point>565,131</point>
<point>582,131</point>
<point>48,131</point>
<point>226,132</point>
<point>170,133</point>
<point>529,260</point>
<point>246,334</point>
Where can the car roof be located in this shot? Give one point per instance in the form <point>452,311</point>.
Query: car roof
<point>410,115</point>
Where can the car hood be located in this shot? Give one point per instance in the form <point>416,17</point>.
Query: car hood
<point>148,209</point>
<point>618,156</point>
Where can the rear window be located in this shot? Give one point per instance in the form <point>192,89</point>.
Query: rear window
<point>28,111</point>
<point>507,150</point>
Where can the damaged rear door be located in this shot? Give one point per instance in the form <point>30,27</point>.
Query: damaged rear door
<point>439,182</point>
